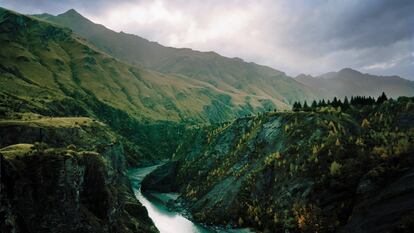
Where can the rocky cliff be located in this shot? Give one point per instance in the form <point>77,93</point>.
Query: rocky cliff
<point>66,188</point>
<point>323,170</point>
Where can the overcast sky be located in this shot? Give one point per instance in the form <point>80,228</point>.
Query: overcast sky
<point>294,36</point>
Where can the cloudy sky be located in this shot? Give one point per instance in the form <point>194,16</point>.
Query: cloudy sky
<point>295,36</point>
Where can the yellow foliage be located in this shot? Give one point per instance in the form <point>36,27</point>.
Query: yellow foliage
<point>365,123</point>
<point>276,218</point>
<point>241,222</point>
<point>286,128</point>
<point>360,142</point>
<point>333,127</point>
<point>301,221</point>
<point>272,157</point>
<point>335,168</point>
<point>315,150</point>
<point>307,217</point>
<point>381,151</point>
<point>337,143</point>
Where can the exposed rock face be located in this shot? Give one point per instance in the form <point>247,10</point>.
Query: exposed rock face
<point>61,190</point>
<point>385,209</point>
<point>162,179</point>
<point>82,132</point>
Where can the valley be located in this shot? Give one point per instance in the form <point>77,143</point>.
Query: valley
<point>104,131</point>
<point>164,219</point>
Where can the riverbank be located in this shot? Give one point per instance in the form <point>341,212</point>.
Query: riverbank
<point>167,219</point>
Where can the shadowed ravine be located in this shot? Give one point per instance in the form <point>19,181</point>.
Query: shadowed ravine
<point>167,221</point>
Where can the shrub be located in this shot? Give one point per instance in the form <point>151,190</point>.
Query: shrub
<point>335,168</point>
<point>71,147</point>
<point>365,123</point>
<point>39,146</point>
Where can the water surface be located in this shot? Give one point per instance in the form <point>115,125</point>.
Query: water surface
<point>165,220</point>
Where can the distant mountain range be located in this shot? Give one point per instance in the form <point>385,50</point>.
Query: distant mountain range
<point>231,75</point>
<point>48,59</point>
<point>347,82</point>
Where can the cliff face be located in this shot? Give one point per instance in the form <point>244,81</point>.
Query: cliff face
<point>316,171</point>
<point>60,190</point>
<point>66,189</point>
<point>82,132</point>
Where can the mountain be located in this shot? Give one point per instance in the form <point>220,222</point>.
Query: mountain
<point>324,170</point>
<point>231,75</point>
<point>41,61</point>
<point>349,82</point>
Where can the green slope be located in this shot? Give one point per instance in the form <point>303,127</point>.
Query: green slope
<point>47,70</point>
<point>228,74</point>
<point>44,62</point>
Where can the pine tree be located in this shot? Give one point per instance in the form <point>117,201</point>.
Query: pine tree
<point>346,101</point>
<point>295,106</point>
<point>305,106</point>
<point>335,102</point>
<point>352,101</point>
<point>381,99</point>
<point>314,105</point>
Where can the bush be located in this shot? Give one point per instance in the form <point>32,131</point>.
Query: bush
<point>335,168</point>
<point>39,146</point>
<point>71,147</point>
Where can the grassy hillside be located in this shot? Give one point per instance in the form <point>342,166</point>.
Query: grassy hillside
<point>48,70</point>
<point>348,82</point>
<point>231,75</point>
<point>44,63</point>
<point>314,171</point>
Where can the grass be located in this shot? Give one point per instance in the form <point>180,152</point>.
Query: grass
<point>55,69</point>
<point>152,95</point>
<point>16,150</point>
<point>55,122</point>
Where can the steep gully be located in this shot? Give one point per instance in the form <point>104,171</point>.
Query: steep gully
<point>165,219</point>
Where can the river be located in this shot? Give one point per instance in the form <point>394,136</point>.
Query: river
<point>165,220</point>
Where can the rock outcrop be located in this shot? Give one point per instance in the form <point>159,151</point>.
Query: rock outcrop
<point>60,190</point>
<point>384,209</point>
<point>162,179</point>
<point>66,188</point>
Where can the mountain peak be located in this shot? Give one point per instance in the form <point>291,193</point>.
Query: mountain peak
<point>349,71</point>
<point>73,17</point>
<point>303,76</point>
<point>71,12</point>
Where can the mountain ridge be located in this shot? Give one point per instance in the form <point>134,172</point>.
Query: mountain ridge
<point>143,93</point>
<point>228,74</point>
<point>348,82</point>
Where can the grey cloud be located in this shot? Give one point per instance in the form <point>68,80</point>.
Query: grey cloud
<point>295,36</point>
<point>350,24</point>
